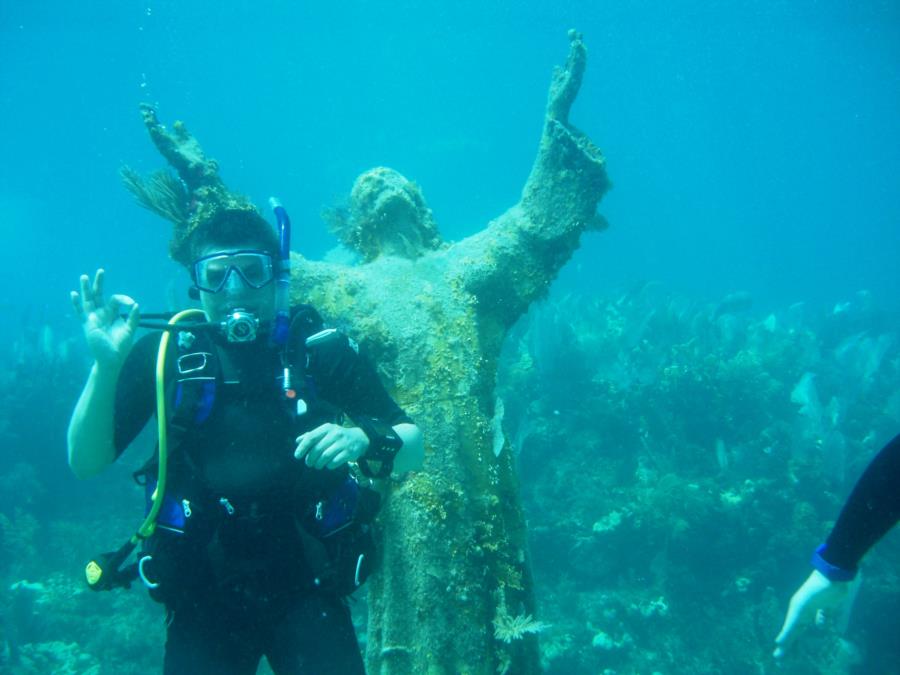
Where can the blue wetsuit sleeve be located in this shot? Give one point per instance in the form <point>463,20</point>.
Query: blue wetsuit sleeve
<point>872,509</point>
<point>135,391</point>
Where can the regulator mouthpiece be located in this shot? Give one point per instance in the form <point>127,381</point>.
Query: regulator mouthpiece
<point>241,326</point>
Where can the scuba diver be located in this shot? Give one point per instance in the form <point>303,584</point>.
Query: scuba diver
<point>872,509</point>
<point>259,499</point>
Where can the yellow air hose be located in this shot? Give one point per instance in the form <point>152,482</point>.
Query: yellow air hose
<point>149,525</point>
<point>103,571</point>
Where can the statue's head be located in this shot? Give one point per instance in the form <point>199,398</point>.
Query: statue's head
<point>387,215</point>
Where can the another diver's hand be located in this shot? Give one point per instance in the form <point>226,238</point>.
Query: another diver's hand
<point>808,604</point>
<point>109,337</point>
<point>330,446</point>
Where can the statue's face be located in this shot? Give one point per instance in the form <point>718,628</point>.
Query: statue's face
<point>390,216</point>
<point>236,277</point>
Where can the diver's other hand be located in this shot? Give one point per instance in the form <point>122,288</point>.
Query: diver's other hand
<point>817,594</point>
<point>331,445</point>
<point>109,337</point>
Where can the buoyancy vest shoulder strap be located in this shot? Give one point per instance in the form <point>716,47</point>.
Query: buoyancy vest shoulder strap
<point>193,388</point>
<point>190,391</point>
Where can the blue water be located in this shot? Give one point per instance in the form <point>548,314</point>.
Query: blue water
<point>752,147</point>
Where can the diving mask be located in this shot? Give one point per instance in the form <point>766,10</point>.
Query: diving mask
<point>211,272</point>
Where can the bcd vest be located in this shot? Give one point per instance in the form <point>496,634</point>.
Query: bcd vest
<point>316,535</point>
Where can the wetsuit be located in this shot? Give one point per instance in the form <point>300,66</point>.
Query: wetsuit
<point>871,510</point>
<point>240,585</point>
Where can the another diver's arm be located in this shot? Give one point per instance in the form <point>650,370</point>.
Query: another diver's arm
<point>91,429</point>
<point>871,510</point>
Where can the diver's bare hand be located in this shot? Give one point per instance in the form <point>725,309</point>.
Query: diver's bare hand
<point>810,602</point>
<point>109,337</point>
<point>330,446</point>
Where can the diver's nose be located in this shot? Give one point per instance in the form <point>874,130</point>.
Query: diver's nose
<point>234,282</point>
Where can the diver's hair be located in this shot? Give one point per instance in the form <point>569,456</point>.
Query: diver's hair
<point>234,227</point>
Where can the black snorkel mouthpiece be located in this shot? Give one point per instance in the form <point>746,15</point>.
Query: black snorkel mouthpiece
<point>281,326</point>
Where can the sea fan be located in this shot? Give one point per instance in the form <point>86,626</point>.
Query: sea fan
<point>162,193</point>
<point>508,628</point>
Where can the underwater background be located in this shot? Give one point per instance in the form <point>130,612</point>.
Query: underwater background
<point>689,406</point>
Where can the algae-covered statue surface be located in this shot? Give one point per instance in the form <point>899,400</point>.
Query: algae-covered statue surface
<point>454,592</point>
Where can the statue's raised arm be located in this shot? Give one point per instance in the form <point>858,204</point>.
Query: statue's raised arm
<point>512,262</point>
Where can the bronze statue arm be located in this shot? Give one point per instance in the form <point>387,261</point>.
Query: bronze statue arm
<point>182,151</point>
<point>512,262</point>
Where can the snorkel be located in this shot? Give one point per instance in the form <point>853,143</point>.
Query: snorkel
<point>282,321</point>
<point>281,327</point>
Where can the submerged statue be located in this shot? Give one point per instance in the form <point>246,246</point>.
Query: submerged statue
<point>454,594</point>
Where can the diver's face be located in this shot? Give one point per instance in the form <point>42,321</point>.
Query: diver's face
<point>232,280</point>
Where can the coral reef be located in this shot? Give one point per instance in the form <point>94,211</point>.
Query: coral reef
<point>49,622</point>
<point>657,545</point>
<point>688,486</point>
<point>62,658</point>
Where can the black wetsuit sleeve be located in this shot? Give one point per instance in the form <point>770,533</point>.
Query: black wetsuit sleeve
<point>135,391</point>
<point>871,510</point>
<point>349,381</point>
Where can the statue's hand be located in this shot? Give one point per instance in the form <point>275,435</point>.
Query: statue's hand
<point>567,80</point>
<point>330,446</point>
<point>109,337</point>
